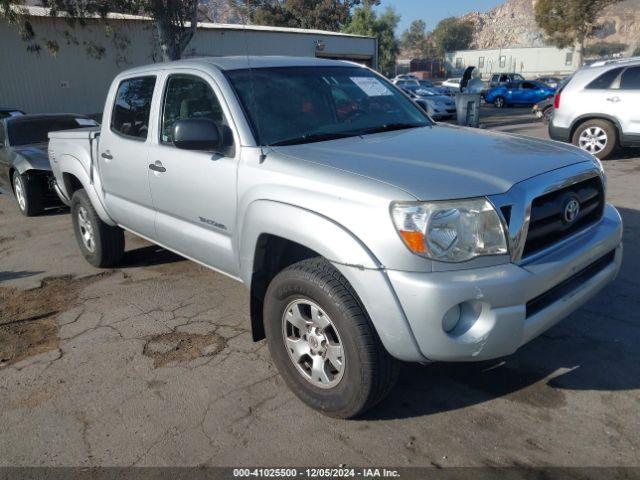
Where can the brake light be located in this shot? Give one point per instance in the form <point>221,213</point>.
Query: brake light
<point>556,101</point>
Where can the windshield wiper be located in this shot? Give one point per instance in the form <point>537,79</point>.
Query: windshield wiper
<point>313,137</point>
<point>389,127</point>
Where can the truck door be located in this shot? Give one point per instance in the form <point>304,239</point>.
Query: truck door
<point>123,151</point>
<point>194,192</point>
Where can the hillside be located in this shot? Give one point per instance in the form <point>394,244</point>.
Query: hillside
<point>513,24</point>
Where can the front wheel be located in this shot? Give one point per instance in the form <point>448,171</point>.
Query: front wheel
<point>102,245</point>
<point>598,137</point>
<point>499,102</point>
<point>323,343</point>
<point>29,194</point>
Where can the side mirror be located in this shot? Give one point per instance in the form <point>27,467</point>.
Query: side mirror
<point>197,134</point>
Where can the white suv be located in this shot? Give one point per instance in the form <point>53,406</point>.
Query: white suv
<point>598,109</point>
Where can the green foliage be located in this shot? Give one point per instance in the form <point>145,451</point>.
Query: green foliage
<point>569,22</point>
<point>415,41</point>
<point>365,21</point>
<point>329,15</point>
<point>452,34</point>
<point>604,49</point>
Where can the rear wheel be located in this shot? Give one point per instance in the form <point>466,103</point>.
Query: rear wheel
<point>29,194</point>
<point>102,245</point>
<point>323,343</point>
<point>499,102</point>
<point>598,137</point>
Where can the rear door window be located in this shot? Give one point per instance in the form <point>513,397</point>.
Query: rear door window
<point>605,80</point>
<point>630,79</point>
<point>132,107</point>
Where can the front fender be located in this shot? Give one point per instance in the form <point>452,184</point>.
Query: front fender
<point>308,228</point>
<point>71,165</point>
<point>23,165</point>
<point>347,253</point>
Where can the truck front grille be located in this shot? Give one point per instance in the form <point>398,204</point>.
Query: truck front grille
<point>548,223</point>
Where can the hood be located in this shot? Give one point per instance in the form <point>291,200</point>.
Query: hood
<point>36,155</point>
<point>441,162</point>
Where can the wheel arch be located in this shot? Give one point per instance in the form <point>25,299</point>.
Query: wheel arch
<point>75,177</point>
<point>598,116</point>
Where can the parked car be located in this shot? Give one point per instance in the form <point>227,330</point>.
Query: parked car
<point>405,76</point>
<point>553,82</point>
<point>543,109</point>
<point>453,83</point>
<point>437,105</point>
<point>10,112</point>
<point>24,165</point>
<point>597,109</point>
<point>528,92</point>
<point>498,79</point>
<point>364,232</point>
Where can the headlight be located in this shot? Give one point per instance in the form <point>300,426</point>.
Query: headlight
<point>451,231</point>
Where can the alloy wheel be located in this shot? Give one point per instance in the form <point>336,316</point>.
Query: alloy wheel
<point>313,343</point>
<point>593,140</point>
<point>18,188</point>
<point>86,230</point>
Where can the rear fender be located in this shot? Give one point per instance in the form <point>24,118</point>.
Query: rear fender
<point>71,165</point>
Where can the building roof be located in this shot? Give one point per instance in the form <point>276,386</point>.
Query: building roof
<point>35,11</point>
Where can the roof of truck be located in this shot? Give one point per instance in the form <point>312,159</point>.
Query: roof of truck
<point>242,62</point>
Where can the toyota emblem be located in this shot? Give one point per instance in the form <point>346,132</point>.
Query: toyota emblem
<point>571,210</point>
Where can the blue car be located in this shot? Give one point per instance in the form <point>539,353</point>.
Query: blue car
<point>527,92</point>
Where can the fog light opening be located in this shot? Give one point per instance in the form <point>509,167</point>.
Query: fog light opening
<point>451,319</point>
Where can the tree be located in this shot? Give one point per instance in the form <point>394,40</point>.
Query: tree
<point>452,34</point>
<point>414,40</point>
<point>569,22</point>
<point>329,15</point>
<point>365,21</point>
<point>175,22</point>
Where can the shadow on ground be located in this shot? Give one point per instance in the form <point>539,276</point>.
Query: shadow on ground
<point>593,349</point>
<point>149,256</point>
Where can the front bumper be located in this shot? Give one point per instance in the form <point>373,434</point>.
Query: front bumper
<point>501,306</point>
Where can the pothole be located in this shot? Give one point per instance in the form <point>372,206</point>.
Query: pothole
<point>28,317</point>
<point>182,347</point>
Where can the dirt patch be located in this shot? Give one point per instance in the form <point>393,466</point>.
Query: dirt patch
<point>181,347</point>
<point>28,317</point>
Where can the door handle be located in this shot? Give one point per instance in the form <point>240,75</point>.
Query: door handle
<point>106,155</point>
<point>157,167</point>
<point>613,99</point>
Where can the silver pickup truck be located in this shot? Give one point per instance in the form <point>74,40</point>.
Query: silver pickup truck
<point>364,232</point>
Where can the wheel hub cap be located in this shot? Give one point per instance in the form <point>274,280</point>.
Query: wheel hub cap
<point>19,191</point>
<point>313,343</point>
<point>86,230</point>
<point>593,140</point>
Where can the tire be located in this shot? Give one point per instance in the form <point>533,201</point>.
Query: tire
<point>367,373</point>
<point>598,137</point>
<point>29,193</point>
<point>499,102</point>
<point>101,245</point>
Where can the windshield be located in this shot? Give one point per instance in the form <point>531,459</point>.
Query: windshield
<point>293,105</point>
<point>31,131</point>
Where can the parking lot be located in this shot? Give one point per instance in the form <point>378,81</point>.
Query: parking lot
<point>153,364</point>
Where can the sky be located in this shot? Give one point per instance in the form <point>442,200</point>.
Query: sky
<point>432,11</point>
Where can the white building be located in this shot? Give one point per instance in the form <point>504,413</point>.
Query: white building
<point>530,62</point>
<point>73,82</point>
